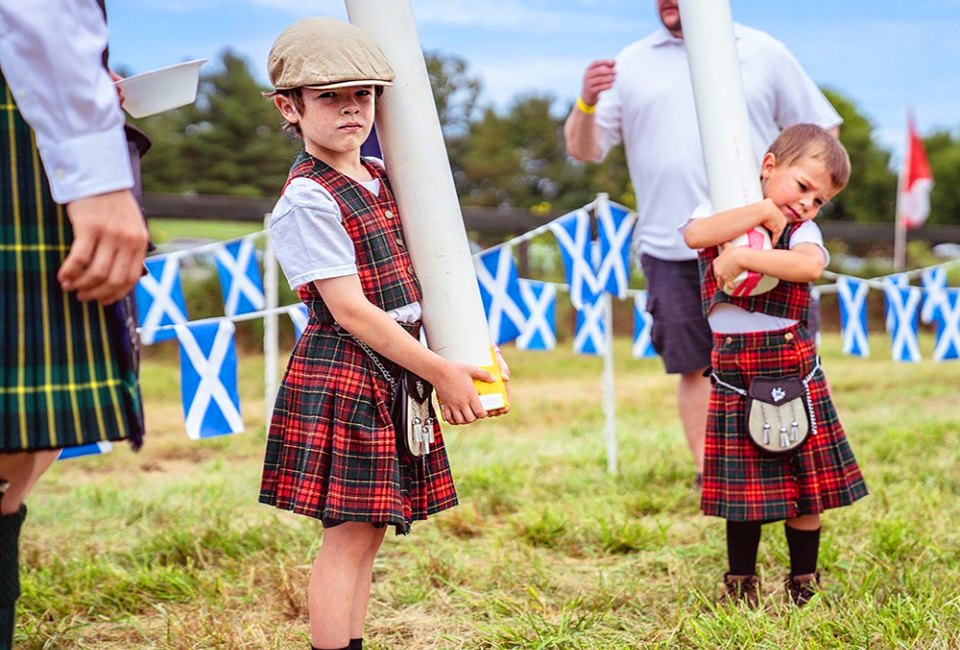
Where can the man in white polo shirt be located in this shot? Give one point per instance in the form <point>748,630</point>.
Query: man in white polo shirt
<point>644,99</point>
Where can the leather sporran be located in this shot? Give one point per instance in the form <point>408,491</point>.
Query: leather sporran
<point>777,413</point>
<point>411,407</point>
<point>413,416</point>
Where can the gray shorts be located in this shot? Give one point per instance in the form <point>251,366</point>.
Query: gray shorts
<point>680,335</point>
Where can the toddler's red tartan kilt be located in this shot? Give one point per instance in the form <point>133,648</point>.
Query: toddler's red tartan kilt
<point>740,482</point>
<point>331,450</point>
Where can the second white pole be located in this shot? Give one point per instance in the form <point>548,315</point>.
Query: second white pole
<point>733,173</point>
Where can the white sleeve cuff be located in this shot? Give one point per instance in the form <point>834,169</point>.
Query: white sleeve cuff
<point>322,274</point>
<point>87,165</point>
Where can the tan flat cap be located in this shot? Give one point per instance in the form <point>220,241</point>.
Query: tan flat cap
<point>326,53</point>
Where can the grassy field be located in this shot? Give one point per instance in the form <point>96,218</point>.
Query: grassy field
<point>169,549</point>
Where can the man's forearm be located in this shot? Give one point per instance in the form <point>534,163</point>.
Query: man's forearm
<point>580,133</point>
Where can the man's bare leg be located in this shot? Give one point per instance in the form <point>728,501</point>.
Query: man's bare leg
<point>693,400</point>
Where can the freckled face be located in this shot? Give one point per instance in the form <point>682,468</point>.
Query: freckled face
<point>799,189</point>
<point>336,121</point>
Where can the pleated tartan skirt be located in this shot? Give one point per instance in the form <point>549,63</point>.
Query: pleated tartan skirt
<point>743,483</point>
<point>67,369</point>
<point>331,448</point>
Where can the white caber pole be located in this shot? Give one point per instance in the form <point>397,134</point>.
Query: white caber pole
<point>408,129</point>
<point>733,173</point>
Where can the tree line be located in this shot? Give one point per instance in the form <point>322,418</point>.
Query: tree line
<point>229,142</point>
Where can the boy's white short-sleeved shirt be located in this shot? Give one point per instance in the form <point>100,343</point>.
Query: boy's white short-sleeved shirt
<point>308,234</point>
<point>651,110</point>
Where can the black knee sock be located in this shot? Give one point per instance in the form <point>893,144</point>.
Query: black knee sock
<point>743,540</point>
<point>804,546</point>
<point>9,573</point>
<point>346,647</point>
<point>356,644</point>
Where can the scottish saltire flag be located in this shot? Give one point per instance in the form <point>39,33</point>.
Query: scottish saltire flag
<point>85,450</point>
<point>903,307</point>
<point>590,333</point>
<point>946,315</point>
<point>539,331</point>
<point>615,225</point>
<point>896,280</point>
<point>642,327</point>
<point>576,246</point>
<point>505,309</point>
<point>240,278</point>
<point>160,299</point>
<point>933,280</point>
<point>852,294</point>
<point>208,379</point>
<point>299,316</point>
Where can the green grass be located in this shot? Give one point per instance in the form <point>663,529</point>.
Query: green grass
<point>169,549</point>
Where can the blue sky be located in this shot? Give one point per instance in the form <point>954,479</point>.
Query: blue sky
<point>885,55</point>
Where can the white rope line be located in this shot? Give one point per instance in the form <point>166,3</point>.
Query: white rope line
<point>215,319</point>
<point>877,281</point>
<point>204,248</point>
<point>539,230</point>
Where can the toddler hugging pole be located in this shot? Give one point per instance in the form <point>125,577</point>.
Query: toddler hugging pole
<point>732,170</point>
<point>408,130</point>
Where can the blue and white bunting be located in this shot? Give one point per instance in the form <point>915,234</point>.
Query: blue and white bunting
<point>540,330</point>
<point>505,308</point>
<point>240,278</point>
<point>160,299</point>
<point>934,281</point>
<point>896,280</point>
<point>615,226</point>
<point>590,335</point>
<point>642,327</point>
<point>852,295</point>
<point>86,450</point>
<point>946,315</point>
<point>903,307</point>
<point>208,379</point>
<point>576,246</point>
<point>299,316</point>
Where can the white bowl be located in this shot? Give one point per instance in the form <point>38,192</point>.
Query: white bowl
<point>161,90</point>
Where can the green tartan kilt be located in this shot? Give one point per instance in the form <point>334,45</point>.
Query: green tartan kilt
<point>68,371</point>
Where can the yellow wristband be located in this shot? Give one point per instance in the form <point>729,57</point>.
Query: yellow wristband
<point>584,107</point>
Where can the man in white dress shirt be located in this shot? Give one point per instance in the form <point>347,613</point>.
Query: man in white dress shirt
<point>65,382</point>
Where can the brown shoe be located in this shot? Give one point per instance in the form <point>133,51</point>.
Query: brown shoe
<point>741,589</point>
<point>802,588</point>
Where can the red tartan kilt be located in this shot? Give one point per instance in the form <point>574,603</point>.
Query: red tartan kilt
<point>742,483</point>
<point>331,449</point>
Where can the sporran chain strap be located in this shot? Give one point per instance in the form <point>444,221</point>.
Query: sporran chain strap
<point>376,361</point>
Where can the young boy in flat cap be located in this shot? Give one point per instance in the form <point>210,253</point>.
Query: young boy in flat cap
<point>331,450</point>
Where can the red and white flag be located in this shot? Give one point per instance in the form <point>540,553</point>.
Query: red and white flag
<point>915,182</point>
